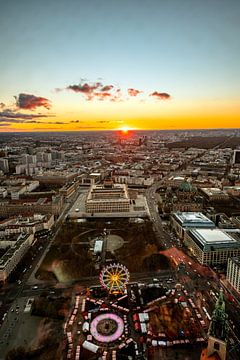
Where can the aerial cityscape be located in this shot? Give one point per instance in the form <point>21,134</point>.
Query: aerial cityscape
<point>120,245</point>
<point>119,180</point>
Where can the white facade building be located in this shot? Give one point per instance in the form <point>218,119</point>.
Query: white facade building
<point>211,246</point>
<point>13,256</point>
<point>233,273</point>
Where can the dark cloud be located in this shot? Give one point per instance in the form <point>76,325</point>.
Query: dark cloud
<point>94,91</point>
<point>2,105</point>
<point>99,91</point>
<point>19,121</point>
<point>55,122</point>
<point>8,113</point>
<point>6,124</point>
<point>46,128</point>
<point>90,127</point>
<point>31,102</point>
<point>160,96</point>
<point>86,89</point>
<point>75,121</point>
<point>103,121</point>
<point>32,122</point>
<point>134,92</point>
<point>107,88</point>
<point>9,116</point>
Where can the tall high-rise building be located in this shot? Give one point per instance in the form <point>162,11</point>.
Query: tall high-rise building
<point>236,157</point>
<point>4,165</point>
<point>233,272</point>
<point>28,159</point>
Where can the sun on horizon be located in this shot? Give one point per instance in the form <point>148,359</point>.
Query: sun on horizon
<point>125,129</point>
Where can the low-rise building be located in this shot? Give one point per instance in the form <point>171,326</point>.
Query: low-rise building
<point>134,180</point>
<point>28,206</point>
<point>28,225</point>
<point>215,194</point>
<point>55,177</point>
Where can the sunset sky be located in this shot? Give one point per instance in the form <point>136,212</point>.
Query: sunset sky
<point>108,64</point>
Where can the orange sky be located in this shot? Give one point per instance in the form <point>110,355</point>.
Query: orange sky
<point>135,114</point>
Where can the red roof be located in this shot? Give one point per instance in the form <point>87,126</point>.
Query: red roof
<point>214,356</point>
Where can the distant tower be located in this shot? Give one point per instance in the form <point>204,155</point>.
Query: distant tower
<point>218,331</point>
<point>236,157</point>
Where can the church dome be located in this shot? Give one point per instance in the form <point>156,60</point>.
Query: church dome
<point>186,187</point>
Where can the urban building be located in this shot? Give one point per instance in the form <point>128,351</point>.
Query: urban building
<point>233,273</point>
<point>108,198</point>
<point>182,221</point>
<point>30,206</point>
<point>215,194</point>
<point>4,166</point>
<point>13,256</point>
<point>27,225</point>
<point>236,157</point>
<point>3,192</point>
<point>90,179</point>
<point>211,246</point>
<point>134,181</point>
<point>69,189</point>
<point>55,177</point>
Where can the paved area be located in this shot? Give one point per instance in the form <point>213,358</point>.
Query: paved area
<point>18,329</point>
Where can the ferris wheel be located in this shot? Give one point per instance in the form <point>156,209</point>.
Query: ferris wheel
<point>114,278</point>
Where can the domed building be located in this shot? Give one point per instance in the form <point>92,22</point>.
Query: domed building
<point>187,187</point>
<point>182,198</point>
<point>187,198</point>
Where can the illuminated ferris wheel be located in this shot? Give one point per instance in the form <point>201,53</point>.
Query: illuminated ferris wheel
<point>114,278</point>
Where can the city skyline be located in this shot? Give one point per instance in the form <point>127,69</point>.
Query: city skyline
<point>131,65</point>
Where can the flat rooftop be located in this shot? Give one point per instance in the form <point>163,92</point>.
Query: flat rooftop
<point>193,219</point>
<point>98,193</point>
<point>213,239</point>
<point>213,191</point>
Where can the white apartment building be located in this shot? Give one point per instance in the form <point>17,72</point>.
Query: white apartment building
<point>233,273</point>
<point>211,246</point>
<point>13,256</point>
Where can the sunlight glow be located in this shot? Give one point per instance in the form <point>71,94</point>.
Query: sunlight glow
<point>125,129</point>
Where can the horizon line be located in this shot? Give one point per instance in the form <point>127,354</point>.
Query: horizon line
<point>116,130</point>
